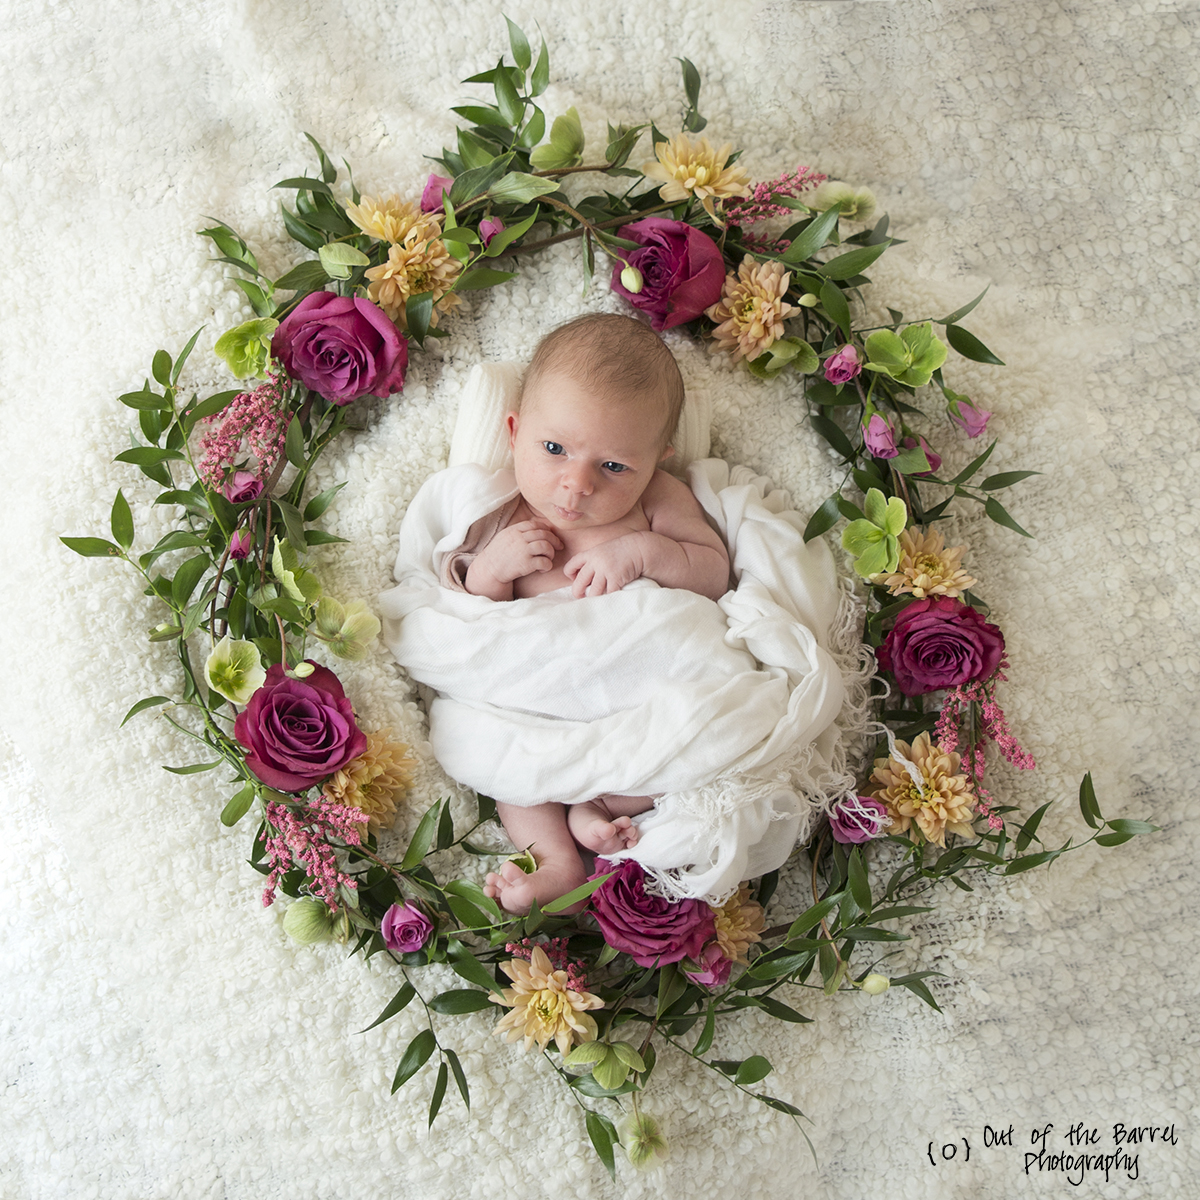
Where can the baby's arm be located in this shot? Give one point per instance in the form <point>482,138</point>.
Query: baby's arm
<point>680,550</point>
<point>516,551</point>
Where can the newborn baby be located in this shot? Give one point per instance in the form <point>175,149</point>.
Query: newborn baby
<point>599,404</point>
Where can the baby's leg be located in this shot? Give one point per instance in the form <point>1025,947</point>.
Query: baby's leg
<point>543,829</point>
<point>603,824</point>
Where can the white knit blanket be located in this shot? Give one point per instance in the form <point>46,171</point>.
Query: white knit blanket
<point>159,1035</point>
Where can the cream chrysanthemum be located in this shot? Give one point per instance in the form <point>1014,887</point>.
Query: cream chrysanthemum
<point>374,781</point>
<point>739,921</point>
<point>412,268</point>
<point>544,1006</point>
<point>750,314</point>
<point>699,171</point>
<point>391,219</point>
<point>926,567</point>
<point>942,803</point>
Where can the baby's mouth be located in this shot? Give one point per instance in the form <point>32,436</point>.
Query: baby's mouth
<point>568,514</point>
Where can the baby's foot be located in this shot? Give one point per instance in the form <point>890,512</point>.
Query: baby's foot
<point>595,828</point>
<point>515,891</point>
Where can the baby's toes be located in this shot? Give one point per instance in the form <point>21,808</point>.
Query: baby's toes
<point>510,873</point>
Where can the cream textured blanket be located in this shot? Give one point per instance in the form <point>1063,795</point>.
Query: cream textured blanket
<point>159,1035</point>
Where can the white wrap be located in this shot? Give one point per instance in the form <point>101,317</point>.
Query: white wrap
<point>723,708</point>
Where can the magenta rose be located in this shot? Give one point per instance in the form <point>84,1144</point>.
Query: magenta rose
<point>651,930</point>
<point>405,929</point>
<point>843,366</point>
<point>857,819</point>
<point>880,437</point>
<point>712,970</point>
<point>971,420</point>
<point>489,227</point>
<point>297,732</point>
<point>242,487</point>
<point>432,198</point>
<point>341,347</point>
<point>682,271</point>
<point>940,643</point>
<point>935,459</point>
<point>241,544</point>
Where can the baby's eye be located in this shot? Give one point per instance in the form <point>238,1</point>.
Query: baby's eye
<point>615,467</point>
<point>552,448</point>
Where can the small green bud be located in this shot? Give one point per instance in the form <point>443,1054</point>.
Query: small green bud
<point>875,985</point>
<point>308,921</point>
<point>809,300</point>
<point>631,280</point>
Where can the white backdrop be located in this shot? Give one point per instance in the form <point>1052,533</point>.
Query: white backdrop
<point>159,1035</point>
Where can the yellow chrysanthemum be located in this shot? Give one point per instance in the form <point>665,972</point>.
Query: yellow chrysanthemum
<point>391,219</point>
<point>374,781</point>
<point>413,268</point>
<point>750,314</point>
<point>926,567</point>
<point>544,1007</point>
<point>739,922</point>
<point>699,171</point>
<point>942,802</point>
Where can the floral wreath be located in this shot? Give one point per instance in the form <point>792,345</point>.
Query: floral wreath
<point>767,274</point>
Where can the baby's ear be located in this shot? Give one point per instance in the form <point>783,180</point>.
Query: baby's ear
<point>667,453</point>
<point>511,421</point>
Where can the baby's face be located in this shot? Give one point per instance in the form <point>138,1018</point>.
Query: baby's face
<point>583,461</point>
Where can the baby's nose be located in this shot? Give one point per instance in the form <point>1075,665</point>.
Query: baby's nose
<point>578,479</point>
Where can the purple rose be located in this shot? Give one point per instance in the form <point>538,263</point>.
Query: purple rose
<point>935,459</point>
<point>651,930</point>
<point>682,271</point>
<point>843,366</point>
<point>712,969</point>
<point>489,227</point>
<point>940,643</point>
<point>240,544</point>
<point>242,487</point>
<point>432,196</point>
<point>297,732</point>
<point>857,819</point>
<point>880,438</point>
<point>971,420</point>
<point>341,347</point>
<point>405,929</point>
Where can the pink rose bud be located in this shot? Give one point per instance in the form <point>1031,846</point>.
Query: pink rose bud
<point>712,970</point>
<point>971,420</point>
<point>880,437</point>
<point>405,929</point>
<point>489,227</point>
<point>240,544</point>
<point>243,487</point>
<point>857,819</point>
<point>431,197</point>
<point>843,366</point>
<point>935,459</point>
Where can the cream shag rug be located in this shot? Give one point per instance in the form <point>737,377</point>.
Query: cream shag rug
<point>159,1035</point>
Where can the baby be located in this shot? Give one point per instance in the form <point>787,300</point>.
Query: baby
<point>599,404</point>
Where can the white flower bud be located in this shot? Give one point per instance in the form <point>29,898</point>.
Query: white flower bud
<point>303,670</point>
<point>632,281</point>
<point>876,985</point>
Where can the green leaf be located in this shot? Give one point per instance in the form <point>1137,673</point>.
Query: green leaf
<point>142,705</point>
<point>629,1056</point>
<point>969,346</point>
<point>318,505</point>
<point>587,1054</point>
<point>603,1136</point>
<point>1018,865</point>
<point>186,578</point>
<point>177,369</point>
<point>959,313</point>
<point>997,512</point>
<point>458,1001</point>
<point>860,886</point>
<point>508,235</point>
<point>418,314</point>
<point>439,1094</point>
<point>304,184</point>
<point>853,262</point>
<point>582,892</point>
<point>814,235</point>
<point>705,1040</point>
<point>672,983</point>
<point>868,933</point>
<point>482,114</point>
<point>752,1070</point>
<point>973,466</point>
<point>520,188</point>
<point>144,401</point>
<point>691,81</point>
<point>507,100</point>
<point>783,1012</point>
<point>318,537</point>
<point>1113,839</point>
<point>918,988</point>
<point>610,1072</point>
<point>307,276</point>
<point>481,277</point>
<point>339,258</point>
<point>824,519</point>
<point>293,523</point>
<point>468,966</point>
<point>779,1105</point>
<point>833,434</point>
<point>474,893</point>
<point>422,837</point>
<point>195,768</point>
<point>294,444</point>
<point>540,79</point>
<point>91,547</point>
<point>145,456</point>
<point>459,1078</point>
<point>161,367</point>
<point>911,461</point>
<point>468,915</point>
<point>397,1003</point>
<point>834,303</point>
<point>1029,828</point>
<point>477,180</point>
<point>1087,802</point>
<point>414,1058</point>
<point>1122,825</point>
<point>1005,479</point>
<point>812,916</point>
<point>238,806</point>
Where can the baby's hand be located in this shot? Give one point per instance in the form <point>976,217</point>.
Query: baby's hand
<point>516,551</point>
<point>605,568</point>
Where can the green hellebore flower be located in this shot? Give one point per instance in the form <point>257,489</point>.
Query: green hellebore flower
<point>875,539</point>
<point>910,358</point>
<point>298,582</point>
<point>348,630</point>
<point>235,669</point>
<point>247,347</point>
<point>856,204</point>
<point>783,353</point>
<point>308,921</point>
<point>642,1139</point>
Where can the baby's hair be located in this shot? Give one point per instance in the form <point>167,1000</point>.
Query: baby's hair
<point>616,356</point>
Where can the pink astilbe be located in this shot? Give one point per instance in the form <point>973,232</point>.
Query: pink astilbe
<point>299,836</point>
<point>762,203</point>
<point>555,950</point>
<point>254,422</point>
